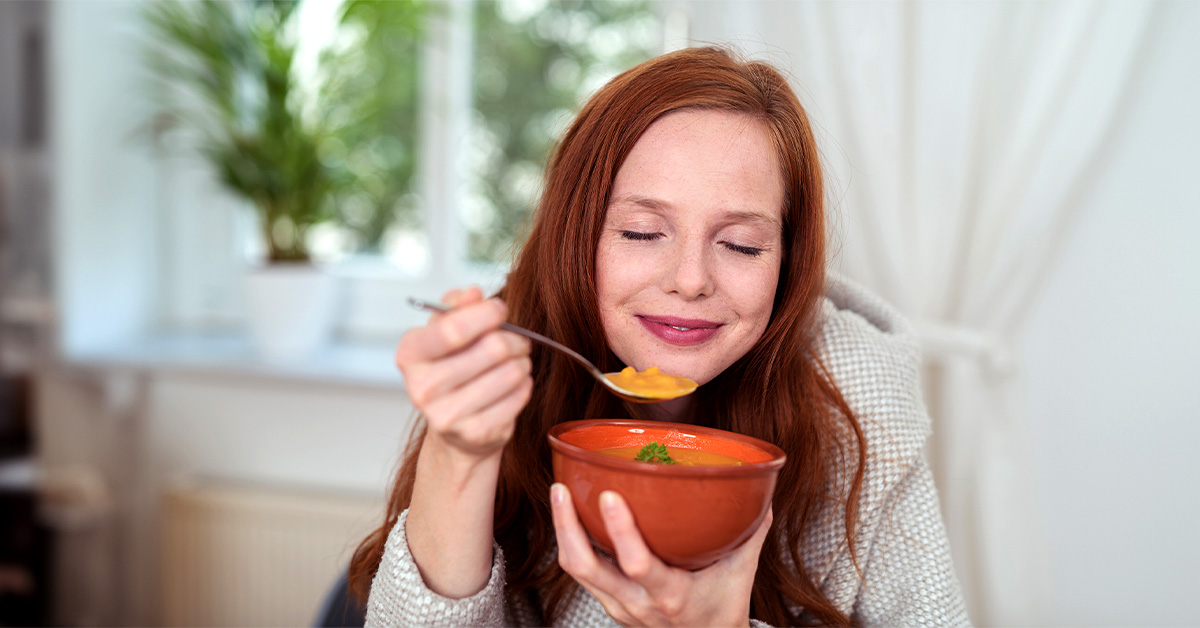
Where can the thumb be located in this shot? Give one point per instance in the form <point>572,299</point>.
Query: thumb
<point>456,297</point>
<point>748,553</point>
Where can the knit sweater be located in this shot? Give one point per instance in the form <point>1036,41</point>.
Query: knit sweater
<point>907,578</point>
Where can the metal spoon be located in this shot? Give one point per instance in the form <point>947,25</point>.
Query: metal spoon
<point>533,335</point>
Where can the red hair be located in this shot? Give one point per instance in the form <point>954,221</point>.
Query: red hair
<point>779,391</point>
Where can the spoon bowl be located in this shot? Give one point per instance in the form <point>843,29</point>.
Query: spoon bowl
<point>612,386</point>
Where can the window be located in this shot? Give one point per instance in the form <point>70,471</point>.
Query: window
<point>464,100</point>
<point>534,63</point>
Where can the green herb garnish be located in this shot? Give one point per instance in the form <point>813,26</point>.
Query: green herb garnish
<point>653,452</point>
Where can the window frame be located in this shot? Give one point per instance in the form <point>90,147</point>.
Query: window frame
<point>200,295</point>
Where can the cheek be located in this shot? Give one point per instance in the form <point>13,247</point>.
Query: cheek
<point>620,282</point>
<point>611,284</point>
<point>605,281</point>
<point>756,293</point>
<point>617,276</point>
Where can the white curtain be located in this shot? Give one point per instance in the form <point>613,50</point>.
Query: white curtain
<point>959,139</point>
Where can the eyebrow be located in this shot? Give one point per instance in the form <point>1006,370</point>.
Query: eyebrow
<point>642,201</point>
<point>734,214</point>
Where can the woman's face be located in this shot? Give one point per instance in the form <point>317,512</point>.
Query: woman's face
<point>689,257</point>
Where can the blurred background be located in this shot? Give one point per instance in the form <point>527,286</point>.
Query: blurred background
<point>211,214</point>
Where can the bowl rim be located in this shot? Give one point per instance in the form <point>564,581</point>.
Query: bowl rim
<point>778,457</point>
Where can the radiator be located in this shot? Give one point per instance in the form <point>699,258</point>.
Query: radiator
<point>237,556</point>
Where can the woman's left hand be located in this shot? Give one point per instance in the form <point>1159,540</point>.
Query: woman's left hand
<point>645,591</point>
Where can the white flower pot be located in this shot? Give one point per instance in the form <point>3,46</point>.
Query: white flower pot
<point>291,310</point>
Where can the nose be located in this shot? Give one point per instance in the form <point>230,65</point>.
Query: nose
<point>690,275</point>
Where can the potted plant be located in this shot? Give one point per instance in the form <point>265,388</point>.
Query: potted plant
<point>225,69</point>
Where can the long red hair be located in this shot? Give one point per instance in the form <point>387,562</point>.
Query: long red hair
<point>779,391</point>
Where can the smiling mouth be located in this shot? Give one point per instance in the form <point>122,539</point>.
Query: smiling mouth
<point>680,331</point>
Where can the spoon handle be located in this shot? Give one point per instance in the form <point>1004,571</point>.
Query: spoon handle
<point>532,335</point>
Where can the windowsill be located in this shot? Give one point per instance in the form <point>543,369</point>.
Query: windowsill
<point>344,363</point>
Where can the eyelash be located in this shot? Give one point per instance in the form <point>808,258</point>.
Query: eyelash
<point>639,236</point>
<point>647,237</point>
<point>744,250</point>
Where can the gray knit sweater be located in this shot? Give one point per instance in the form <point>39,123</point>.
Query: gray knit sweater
<point>907,576</point>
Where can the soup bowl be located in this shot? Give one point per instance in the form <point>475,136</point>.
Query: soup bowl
<point>689,516</point>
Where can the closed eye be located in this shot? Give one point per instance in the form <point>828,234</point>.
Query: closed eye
<point>638,235</point>
<point>744,250</point>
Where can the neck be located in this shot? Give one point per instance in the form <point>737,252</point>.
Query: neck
<point>674,410</point>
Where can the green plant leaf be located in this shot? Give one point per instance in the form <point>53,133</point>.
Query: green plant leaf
<point>654,452</point>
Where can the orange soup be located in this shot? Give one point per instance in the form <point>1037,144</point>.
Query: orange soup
<point>682,457</point>
<point>652,383</point>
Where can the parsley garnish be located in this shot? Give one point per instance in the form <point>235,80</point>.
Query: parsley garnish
<point>653,452</point>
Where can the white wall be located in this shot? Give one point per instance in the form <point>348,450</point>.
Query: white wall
<point>332,438</point>
<point>1112,358</point>
<point>136,433</point>
<point>327,440</point>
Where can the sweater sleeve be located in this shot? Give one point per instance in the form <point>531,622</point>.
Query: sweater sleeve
<point>908,574</point>
<point>399,596</point>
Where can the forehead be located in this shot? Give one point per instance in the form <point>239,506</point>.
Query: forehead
<point>704,159</point>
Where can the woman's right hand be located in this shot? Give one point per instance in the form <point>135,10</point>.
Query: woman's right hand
<point>469,378</point>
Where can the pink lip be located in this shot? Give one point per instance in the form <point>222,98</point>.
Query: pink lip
<point>697,330</point>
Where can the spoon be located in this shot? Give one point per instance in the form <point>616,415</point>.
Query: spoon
<point>631,395</point>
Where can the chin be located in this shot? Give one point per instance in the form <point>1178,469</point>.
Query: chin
<point>696,365</point>
<point>701,373</point>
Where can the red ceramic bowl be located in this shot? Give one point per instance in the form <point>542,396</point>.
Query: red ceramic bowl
<point>689,516</point>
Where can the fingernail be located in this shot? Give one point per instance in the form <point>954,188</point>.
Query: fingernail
<point>557,494</point>
<point>501,307</point>
<point>608,502</point>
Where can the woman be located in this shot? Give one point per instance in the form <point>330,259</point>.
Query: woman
<point>681,227</point>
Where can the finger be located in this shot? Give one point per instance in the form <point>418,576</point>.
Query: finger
<point>753,545</point>
<point>493,427</point>
<point>574,550</point>
<point>482,391</point>
<point>506,410</point>
<point>450,332</point>
<point>429,381</point>
<point>488,351</point>
<point>456,297</point>
<point>633,555</point>
<point>579,560</point>
<point>746,555</point>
